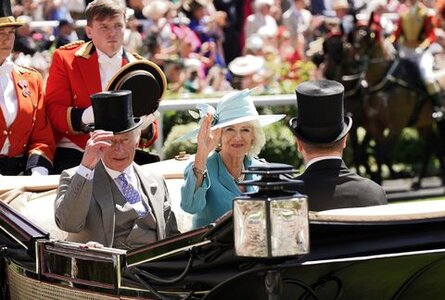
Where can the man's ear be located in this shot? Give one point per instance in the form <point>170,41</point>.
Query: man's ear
<point>88,31</point>
<point>345,138</point>
<point>299,146</point>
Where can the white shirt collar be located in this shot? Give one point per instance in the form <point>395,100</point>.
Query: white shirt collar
<point>117,56</point>
<point>129,171</point>
<point>7,66</point>
<point>316,159</point>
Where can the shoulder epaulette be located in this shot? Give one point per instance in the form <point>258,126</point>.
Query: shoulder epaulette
<point>23,69</point>
<point>85,50</point>
<point>138,56</point>
<point>72,45</point>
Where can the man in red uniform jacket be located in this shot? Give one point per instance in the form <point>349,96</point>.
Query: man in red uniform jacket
<point>416,32</point>
<point>26,139</point>
<point>81,69</point>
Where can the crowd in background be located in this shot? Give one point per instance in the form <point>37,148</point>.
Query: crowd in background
<point>208,46</point>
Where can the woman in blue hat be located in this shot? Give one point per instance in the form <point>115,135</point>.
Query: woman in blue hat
<point>229,139</point>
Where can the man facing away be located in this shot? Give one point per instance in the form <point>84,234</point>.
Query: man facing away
<point>321,129</point>
<point>81,69</point>
<point>108,199</point>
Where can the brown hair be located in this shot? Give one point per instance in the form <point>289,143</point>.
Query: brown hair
<point>102,9</point>
<point>313,147</point>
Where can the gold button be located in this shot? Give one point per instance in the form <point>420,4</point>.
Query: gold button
<point>24,145</point>
<point>5,132</point>
<point>75,97</point>
<point>10,132</point>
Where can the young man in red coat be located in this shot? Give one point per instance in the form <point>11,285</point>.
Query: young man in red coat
<point>26,140</point>
<point>81,69</point>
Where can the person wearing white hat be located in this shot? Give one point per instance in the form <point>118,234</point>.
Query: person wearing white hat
<point>234,130</point>
<point>26,140</point>
<point>262,18</point>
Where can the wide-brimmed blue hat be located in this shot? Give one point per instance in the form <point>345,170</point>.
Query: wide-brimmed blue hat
<point>234,108</point>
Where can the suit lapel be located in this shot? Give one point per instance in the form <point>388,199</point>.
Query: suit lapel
<point>150,188</point>
<point>89,70</point>
<point>103,195</point>
<point>127,57</point>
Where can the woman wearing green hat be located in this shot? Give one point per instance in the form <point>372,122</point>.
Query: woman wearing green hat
<point>234,131</point>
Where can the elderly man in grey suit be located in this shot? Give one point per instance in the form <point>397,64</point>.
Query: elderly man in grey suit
<point>108,199</point>
<point>321,129</point>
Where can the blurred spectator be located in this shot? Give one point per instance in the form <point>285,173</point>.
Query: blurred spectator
<point>261,19</point>
<point>216,80</point>
<point>187,72</point>
<point>287,51</point>
<point>76,9</point>
<point>132,37</point>
<point>232,28</point>
<point>136,5</point>
<point>208,28</point>
<point>318,7</point>
<point>158,29</point>
<point>32,8</point>
<point>300,24</point>
<point>24,41</point>
<point>254,45</point>
<point>342,12</point>
<point>247,72</point>
<point>65,34</point>
<point>272,65</point>
<point>56,10</point>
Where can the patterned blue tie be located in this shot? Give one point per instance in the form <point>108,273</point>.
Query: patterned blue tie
<point>129,192</point>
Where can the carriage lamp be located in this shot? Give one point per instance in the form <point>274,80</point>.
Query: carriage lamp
<point>272,222</point>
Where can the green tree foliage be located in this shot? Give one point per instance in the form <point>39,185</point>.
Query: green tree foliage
<point>280,145</point>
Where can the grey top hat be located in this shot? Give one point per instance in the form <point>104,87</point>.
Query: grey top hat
<point>320,118</point>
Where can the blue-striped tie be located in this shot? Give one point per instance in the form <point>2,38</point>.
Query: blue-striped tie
<point>129,192</point>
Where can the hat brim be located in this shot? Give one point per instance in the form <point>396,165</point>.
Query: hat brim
<point>296,131</point>
<point>263,120</point>
<point>10,22</point>
<point>246,65</point>
<point>145,80</point>
<point>138,122</point>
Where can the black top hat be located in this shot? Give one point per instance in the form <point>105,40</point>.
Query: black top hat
<point>320,118</point>
<point>113,111</point>
<point>6,18</point>
<point>145,80</point>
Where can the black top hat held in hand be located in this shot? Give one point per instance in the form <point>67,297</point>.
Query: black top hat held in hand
<point>113,111</point>
<point>145,80</point>
<point>320,117</point>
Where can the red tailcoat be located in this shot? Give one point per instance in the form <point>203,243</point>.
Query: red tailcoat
<point>416,29</point>
<point>73,77</point>
<point>30,134</point>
